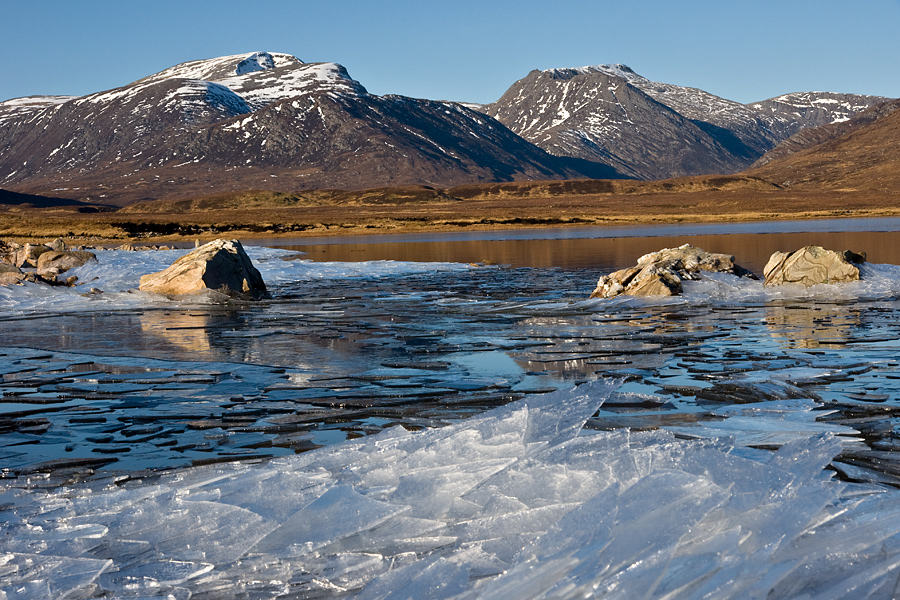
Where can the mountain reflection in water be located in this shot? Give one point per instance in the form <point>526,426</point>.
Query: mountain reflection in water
<point>751,250</point>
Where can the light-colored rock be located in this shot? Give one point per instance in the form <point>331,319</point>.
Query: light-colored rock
<point>661,273</point>
<point>221,266</point>
<point>29,253</point>
<point>58,244</point>
<point>17,278</point>
<point>812,265</point>
<point>11,277</point>
<point>52,263</point>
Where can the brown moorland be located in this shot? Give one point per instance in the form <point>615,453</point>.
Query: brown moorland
<point>423,208</point>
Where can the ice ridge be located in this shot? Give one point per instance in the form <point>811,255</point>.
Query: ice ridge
<point>519,502</point>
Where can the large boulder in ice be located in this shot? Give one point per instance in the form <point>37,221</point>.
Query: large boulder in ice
<point>221,266</point>
<point>661,273</point>
<point>812,265</point>
<point>51,263</point>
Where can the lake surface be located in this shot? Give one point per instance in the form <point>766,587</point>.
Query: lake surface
<point>246,423</point>
<point>606,249</point>
<point>362,336</point>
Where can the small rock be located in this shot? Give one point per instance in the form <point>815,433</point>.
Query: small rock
<point>59,245</point>
<point>812,265</point>
<point>11,277</point>
<point>661,273</point>
<point>220,265</point>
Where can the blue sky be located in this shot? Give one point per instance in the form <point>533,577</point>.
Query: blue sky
<point>463,50</point>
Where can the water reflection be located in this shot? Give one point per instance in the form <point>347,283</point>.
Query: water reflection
<point>812,326</point>
<point>751,251</point>
<point>186,330</point>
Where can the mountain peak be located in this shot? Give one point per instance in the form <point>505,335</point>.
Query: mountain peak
<point>214,69</point>
<point>622,71</point>
<point>258,61</point>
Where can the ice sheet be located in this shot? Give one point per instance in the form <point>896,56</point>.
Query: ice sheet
<point>111,282</point>
<point>518,502</point>
<point>116,274</point>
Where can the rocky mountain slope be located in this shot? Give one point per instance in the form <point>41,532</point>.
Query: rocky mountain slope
<point>257,121</point>
<point>652,130</point>
<point>858,155</point>
<point>807,138</point>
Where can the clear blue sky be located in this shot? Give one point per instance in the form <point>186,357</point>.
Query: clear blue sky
<point>463,50</point>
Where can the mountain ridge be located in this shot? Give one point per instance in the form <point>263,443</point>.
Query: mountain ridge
<point>266,120</point>
<point>265,117</point>
<point>654,130</point>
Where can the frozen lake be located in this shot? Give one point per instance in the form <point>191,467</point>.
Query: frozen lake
<point>380,428</point>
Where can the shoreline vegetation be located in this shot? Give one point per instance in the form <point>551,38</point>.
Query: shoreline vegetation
<point>418,209</point>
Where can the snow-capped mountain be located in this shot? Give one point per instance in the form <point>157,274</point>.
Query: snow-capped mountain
<point>653,130</point>
<point>243,121</point>
<point>800,110</point>
<point>812,136</point>
<point>270,121</point>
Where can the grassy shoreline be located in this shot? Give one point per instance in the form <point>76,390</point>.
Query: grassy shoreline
<point>186,221</point>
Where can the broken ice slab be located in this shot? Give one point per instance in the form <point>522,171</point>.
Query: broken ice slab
<point>592,505</point>
<point>39,576</point>
<point>337,513</point>
<point>769,425</point>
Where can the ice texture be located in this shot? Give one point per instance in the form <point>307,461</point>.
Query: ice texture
<point>518,502</point>
<point>111,282</point>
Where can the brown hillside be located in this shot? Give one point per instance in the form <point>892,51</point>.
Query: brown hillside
<point>865,160</point>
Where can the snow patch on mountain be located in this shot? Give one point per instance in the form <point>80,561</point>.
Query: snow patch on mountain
<point>199,99</point>
<point>821,107</point>
<point>261,88</point>
<point>258,61</point>
<point>213,69</point>
<point>20,107</point>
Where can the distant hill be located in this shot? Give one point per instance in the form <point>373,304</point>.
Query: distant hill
<point>812,136</point>
<point>653,130</point>
<point>9,199</point>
